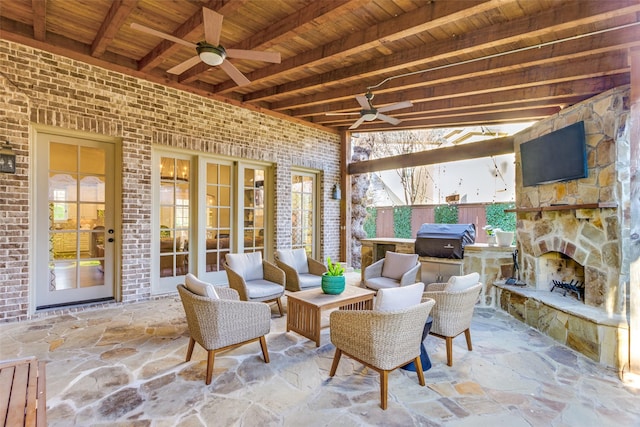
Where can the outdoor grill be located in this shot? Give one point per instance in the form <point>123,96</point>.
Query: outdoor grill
<point>444,240</point>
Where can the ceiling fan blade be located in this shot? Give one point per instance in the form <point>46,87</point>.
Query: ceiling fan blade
<point>161,35</point>
<point>254,55</point>
<point>396,106</point>
<point>363,101</point>
<point>234,73</point>
<point>212,26</point>
<point>342,114</point>
<point>184,66</point>
<point>389,119</point>
<point>357,123</point>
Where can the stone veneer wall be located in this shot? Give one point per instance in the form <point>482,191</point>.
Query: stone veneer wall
<point>595,238</point>
<point>598,239</point>
<point>41,88</point>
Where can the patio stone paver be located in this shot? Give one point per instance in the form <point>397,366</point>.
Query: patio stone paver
<point>125,366</point>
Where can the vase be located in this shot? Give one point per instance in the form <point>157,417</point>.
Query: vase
<point>491,240</point>
<point>504,238</point>
<point>333,285</point>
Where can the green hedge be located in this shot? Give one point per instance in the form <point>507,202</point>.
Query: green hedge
<point>498,218</point>
<point>446,214</point>
<point>369,224</point>
<point>402,222</point>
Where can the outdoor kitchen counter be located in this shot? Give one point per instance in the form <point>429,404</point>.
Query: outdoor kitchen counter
<point>491,262</point>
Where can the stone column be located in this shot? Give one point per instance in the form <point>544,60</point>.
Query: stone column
<point>634,253</point>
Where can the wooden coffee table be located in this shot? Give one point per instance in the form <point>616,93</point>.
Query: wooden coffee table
<point>304,308</point>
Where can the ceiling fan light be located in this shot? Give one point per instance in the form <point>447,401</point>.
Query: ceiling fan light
<point>369,115</point>
<point>211,55</point>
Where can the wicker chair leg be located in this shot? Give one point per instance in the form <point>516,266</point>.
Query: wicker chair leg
<point>279,306</point>
<point>211,354</point>
<point>384,386</point>
<point>192,343</point>
<point>449,341</point>
<point>418,364</point>
<point>336,360</point>
<point>467,335</point>
<point>265,352</point>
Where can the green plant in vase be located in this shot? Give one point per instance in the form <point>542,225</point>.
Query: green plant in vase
<point>333,281</point>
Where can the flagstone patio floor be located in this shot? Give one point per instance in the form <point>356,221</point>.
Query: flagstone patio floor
<point>124,365</point>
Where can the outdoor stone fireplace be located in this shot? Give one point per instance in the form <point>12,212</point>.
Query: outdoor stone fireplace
<point>578,230</point>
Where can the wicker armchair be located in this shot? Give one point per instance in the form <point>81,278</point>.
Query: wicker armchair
<point>224,323</point>
<point>393,270</point>
<point>255,279</point>
<point>455,302</point>
<point>301,271</point>
<point>383,341</point>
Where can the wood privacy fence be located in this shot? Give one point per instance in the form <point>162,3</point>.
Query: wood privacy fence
<point>420,214</point>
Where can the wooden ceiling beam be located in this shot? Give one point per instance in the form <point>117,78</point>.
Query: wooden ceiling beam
<point>501,36</point>
<point>562,52</point>
<point>39,19</point>
<point>117,14</point>
<point>427,17</point>
<point>591,66</point>
<point>487,148</point>
<point>501,107</point>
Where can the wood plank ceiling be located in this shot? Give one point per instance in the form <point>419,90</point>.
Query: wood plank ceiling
<point>470,62</point>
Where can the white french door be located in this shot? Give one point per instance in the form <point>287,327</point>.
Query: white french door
<point>75,237</point>
<point>204,208</point>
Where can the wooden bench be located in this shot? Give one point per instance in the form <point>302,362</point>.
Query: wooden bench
<point>22,393</point>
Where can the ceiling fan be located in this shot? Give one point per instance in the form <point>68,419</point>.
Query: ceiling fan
<point>369,113</point>
<point>210,51</point>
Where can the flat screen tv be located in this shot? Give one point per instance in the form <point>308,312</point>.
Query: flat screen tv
<point>557,156</point>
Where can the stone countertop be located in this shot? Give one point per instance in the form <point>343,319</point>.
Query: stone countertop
<point>388,240</point>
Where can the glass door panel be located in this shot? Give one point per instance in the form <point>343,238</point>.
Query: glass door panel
<point>303,195</point>
<point>77,177</point>
<point>253,216</point>
<point>218,216</point>
<point>174,215</point>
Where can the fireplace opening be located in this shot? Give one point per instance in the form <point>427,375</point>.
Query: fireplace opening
<point>558,272</point>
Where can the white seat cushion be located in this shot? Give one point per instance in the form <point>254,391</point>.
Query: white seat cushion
<point>263,288</point>
<point>395,264</point>
<point>461,283</point>
<point>399,298</point>
<point>249,265</point>
<point>199,287</point>
<point>381,283</point>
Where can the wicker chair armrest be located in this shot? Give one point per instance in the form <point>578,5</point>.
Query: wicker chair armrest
<point>238,321</point>
<point>383,339</point>
<point>411,276</point>
<point>272,273</point>
<point>291,276</point>
<point>236,281</point>
<point>435,287</point>
<point>227,293</point>
<point>316,267</point>
<point>374,270</point>
<point>453,311</point>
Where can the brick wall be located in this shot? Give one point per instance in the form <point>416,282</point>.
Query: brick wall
<point>38,87</point>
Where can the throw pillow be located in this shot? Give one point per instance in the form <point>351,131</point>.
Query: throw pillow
<point>461,283</point>
<point>395,264</point>
<point>300,260</point>
<point>199,287</point>
<point>390,299</point>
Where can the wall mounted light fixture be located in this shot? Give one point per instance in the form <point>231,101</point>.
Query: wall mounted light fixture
<point>337,194</point>
<point>7,159</point>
